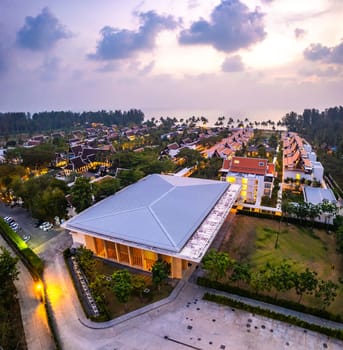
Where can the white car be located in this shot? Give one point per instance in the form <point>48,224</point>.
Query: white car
<point>14,226</point>
<point>48,227</point>
<point>44,224</point>
<point>26,238</point>
<point>8,219</point>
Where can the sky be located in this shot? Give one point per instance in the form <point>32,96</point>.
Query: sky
<point>238,58</point>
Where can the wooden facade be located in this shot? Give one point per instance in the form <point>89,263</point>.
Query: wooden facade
<point>131,256</point>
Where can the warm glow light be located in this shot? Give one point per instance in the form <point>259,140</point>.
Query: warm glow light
<point>244,180</point>
<point>39,286</point>
<point>244,193</point>
<point>297,176</point>
<point>231,179</point>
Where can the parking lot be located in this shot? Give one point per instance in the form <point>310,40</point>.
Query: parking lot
<point>27,226</point>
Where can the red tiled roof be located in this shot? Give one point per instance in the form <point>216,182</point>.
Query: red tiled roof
<point>257,166</point>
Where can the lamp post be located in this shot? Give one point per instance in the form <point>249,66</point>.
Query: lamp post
<point>40,290</point>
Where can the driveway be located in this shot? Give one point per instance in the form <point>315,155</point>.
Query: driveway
<point>186,322</point>
<point>37,332</point>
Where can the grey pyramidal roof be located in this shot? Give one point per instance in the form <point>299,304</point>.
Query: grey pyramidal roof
<point>160,211</point>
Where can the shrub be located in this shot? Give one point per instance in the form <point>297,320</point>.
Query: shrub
<point>203,281</point>
<point>32,261</point>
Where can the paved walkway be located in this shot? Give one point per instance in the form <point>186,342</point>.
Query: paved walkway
<point>37,332</point>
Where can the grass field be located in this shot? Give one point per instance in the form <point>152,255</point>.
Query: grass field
<point>253,240</point>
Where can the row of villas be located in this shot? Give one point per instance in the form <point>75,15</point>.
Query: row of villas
<point>299,159</point>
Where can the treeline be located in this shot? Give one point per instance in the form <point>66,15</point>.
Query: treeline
<point>319,127</point>
<point>15,123</point>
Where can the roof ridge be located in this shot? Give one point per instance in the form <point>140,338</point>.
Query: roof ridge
<point>162,227</point>
<point>155,216</point>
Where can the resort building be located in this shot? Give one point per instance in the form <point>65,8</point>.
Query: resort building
<point>161,216</point>
<point>254,175</point>
<point>299,160</point>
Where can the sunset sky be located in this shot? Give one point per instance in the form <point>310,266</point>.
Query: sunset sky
<point>238,58</point>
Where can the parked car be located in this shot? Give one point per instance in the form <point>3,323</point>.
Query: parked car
<point>26,238</point>
<point>8,219</point>
<point>48,227</point>
<point>44,224</point>
<point>14,226</point>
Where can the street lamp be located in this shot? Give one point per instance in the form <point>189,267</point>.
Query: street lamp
<point>39,290</point>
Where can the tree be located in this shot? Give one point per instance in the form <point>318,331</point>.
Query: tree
<point>8,270</point>
<point>105,188</point>
<point>326,291</point>
<point>128,177</point>
<point>305,282</point>
<point>160,272</point>
<point>339,239</point>
<point>329,209</point>
<point>216,263</point>
<point>138,284</point>
<point>241,272</point>
<point>81,193</point>
<point>85,259</point>
<point>282,276</point>
<point>122,286</point>
<point>191,156</point>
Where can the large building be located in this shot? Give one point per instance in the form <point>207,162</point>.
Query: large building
<point>160,216</point>
<point>254,175</point>
<point>299,160</point>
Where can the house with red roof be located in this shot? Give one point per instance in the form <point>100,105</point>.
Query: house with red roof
<point>255,175</point>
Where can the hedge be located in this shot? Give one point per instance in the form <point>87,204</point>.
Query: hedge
<point>336,333</point>
<point>291,220</point>
<point>203,281</point>
<point>32,261</point>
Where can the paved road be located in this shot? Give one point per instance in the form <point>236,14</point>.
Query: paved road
<point>37,332</point>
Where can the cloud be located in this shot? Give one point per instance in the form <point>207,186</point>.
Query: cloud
<point>233,64</point>
<point>50,68</point>
<point>147,68</point>
<point>4,59</point>
<point>41,32</point>
<point>329,72</point>
<point>231,27</point>
<point>193,4</point>
<point>299,33</point>
<point>108,67</point>
<point>123,43</point>
<point>318,52</point>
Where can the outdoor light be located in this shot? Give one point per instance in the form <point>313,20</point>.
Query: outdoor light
<point>39,290</point>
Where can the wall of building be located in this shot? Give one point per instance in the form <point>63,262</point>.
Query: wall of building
<point>134,257</point>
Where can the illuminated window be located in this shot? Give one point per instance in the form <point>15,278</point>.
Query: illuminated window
<point>297,176</point>
<point>244,180</point>
<point>243,193</point>
<point>236,161</point>
<point>231,179</point>
<point>244,187</point>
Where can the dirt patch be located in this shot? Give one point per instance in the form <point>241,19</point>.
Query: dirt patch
<point>240,238</point>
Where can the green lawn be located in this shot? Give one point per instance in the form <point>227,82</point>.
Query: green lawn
<point>253,240</point>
